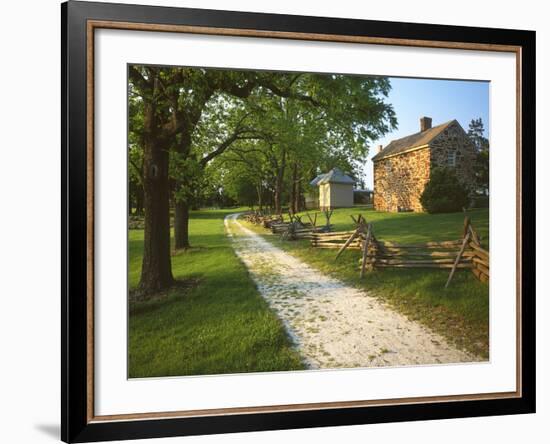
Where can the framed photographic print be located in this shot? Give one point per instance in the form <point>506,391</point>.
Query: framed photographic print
<point>276,221</point>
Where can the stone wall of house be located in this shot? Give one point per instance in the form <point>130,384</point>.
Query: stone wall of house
<point>399,180</point>
<point>455,140</point>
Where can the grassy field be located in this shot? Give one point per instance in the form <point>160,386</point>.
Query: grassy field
<point>215,322</point>
<point>460,313</point>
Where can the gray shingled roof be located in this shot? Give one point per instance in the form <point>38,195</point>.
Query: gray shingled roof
<point>315,181</point>
<point>333,176</point>
<point>413,141</point>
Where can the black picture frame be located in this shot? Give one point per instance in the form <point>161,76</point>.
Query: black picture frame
<point>76,424</point>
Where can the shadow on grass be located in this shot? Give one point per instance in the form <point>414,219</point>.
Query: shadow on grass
<point>414,227</point>
<point>142,304</point>
<point>220,326</point>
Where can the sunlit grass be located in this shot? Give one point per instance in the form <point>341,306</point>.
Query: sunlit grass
<point>460,313</point>
<point>218,324</point>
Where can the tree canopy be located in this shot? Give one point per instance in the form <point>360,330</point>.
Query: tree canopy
<point>476,133</point>
<point>200,136</point>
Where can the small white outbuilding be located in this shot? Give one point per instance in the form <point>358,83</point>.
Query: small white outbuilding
<point>335,189</point>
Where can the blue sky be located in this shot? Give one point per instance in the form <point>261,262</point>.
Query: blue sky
<point>442,100</point>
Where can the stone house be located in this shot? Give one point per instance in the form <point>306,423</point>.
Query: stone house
<point>335,189</point>
<point>402,168</point>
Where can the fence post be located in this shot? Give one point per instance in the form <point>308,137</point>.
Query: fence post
<point>466,226</point>
<point>349,241</point>
<point>366,250</point>
<point>459,255</point>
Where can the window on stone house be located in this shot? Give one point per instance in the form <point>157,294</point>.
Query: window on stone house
<point>451,159</point>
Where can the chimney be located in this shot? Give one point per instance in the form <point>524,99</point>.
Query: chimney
<point>425,123</point>
<point>380,148</point>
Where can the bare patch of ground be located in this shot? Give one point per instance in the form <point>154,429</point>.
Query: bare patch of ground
<point>332,324</point>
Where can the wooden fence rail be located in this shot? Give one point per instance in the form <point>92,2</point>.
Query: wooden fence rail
<point>460,253</point>
<point>480,262</point>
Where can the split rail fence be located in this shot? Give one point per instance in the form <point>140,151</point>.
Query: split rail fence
<point>295,227</point>
<point>466,252</point>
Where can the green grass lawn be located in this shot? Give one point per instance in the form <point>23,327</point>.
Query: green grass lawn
<point>460,312</point>
<point>218,324</point>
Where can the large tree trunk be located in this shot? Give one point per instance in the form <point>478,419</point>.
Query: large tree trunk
<point>277,196</point>
<point>156,270</point>
<point>279,179</point>
<point>259,193</point>
<point>297,199</point>
<point>295,190</point>
<point>130,200</point>
<point>181,226</point>
<point>139,200</point>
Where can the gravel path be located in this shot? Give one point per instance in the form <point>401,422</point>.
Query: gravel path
<point>334,325</point>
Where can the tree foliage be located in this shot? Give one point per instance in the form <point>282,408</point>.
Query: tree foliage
<point>476,133</point>
<point>200,135</point>
<point>296,139</point>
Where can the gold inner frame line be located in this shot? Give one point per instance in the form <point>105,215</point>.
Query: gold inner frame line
<point>92,25</point>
